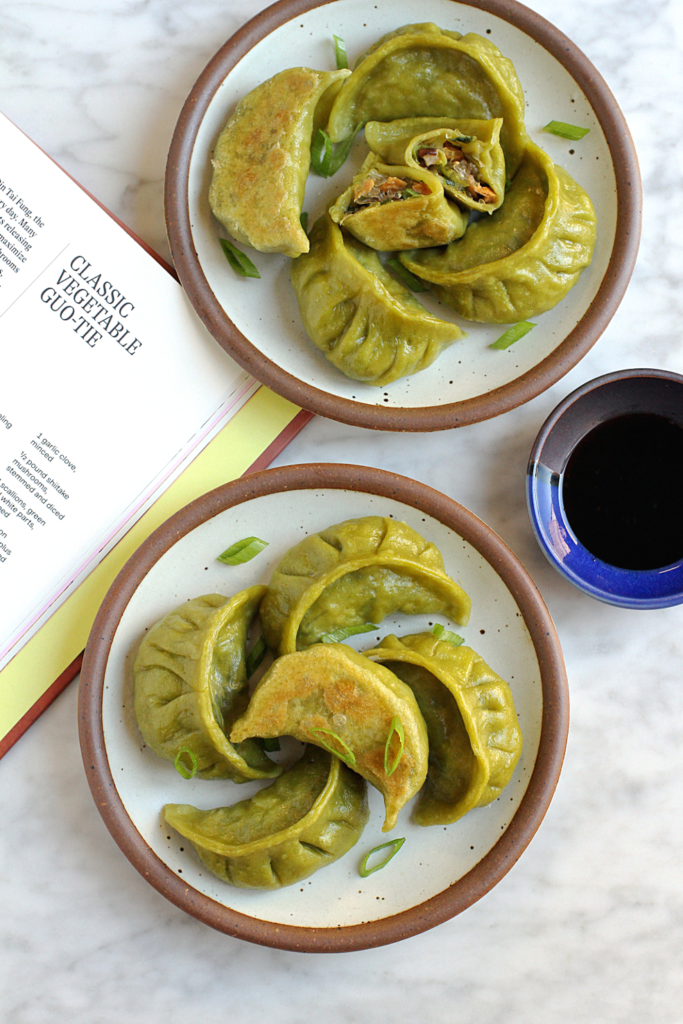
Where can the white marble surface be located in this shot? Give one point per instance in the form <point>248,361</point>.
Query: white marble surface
<point>588,927</point>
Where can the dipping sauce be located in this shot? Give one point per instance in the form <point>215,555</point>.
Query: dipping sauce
<point>623,491</point>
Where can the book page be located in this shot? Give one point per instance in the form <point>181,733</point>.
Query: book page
<point>109,384</point>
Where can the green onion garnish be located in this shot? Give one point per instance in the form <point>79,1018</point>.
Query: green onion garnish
<point>326,159</point>
<point>304,221</point>
<point>410,193</point>
<point>322,152</point>
<point>364,870</point>
<point>396,727</point>
<point>348,757</point>
<point>445,634</point>
<point>240,263</point>
<point>340,53</point>
<point>337,635</point>
<point>408,279</point>
<point>513,334</point>
<point>566,131</point>
<point>256,656</point>
<point>243,551</point>
<point>271,745</point>
<point>187,773</point>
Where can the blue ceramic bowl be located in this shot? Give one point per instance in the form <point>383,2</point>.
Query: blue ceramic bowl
<point>627,391</point>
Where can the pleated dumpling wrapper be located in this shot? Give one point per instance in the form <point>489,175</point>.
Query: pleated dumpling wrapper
<point>262,157</point>
<point>424,71</point>
<point>340,700</point>
<point>369,325</point>
<point>191,684</point>
<point>353,573</point>
<point>466,155</point>
<point>474,736</point>
<point>308,818</point>
<point>398,207</point>
<point>525,257</point>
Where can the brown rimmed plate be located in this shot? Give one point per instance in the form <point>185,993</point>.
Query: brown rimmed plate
<point>258,322</point>
<point>439,871</point>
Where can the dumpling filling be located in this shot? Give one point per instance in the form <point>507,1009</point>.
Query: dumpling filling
<point>450,161</point>
<point>377,189</point>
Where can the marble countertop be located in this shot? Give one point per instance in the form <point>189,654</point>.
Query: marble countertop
<point>588,926</point>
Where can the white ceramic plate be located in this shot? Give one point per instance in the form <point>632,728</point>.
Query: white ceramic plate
<point>459,387</point>
<point>432,859</point>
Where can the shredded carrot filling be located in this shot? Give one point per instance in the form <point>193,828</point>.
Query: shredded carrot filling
<point>378,189</point>
<point>450,161</point>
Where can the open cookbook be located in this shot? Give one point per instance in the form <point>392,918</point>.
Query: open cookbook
<point>116,409</point>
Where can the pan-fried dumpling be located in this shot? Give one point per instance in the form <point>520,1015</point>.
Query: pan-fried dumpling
<point>312,815</point>
<point>398,207</point>
<point>466,155</point>
<point>340,700</point>
<point>355,572</point>
<point>191,684</point>
<point>424,71</point>
<point>365,322</point>
<point>262,157</point>
<point>525,257</point>
<point>474,737</point>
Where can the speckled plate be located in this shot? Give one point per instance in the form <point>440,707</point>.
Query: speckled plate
<point>258,322</point>
<point>439,871</point>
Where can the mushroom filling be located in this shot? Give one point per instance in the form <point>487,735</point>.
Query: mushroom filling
<point>377,189</point>
<point>452,163</point>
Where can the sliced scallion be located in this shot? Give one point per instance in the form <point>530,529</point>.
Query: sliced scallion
<point>322,152</point>
<point>395,845</point>
<point>408,279</point>
<point>326,158</point>
<point>304,221</point>
<point>395,728</point>
<point>340,53</point>
<point>566,131</point>
<point>256,656</point>
<point>240,263</point>
<point>187,773</point>
<point>243,551</point>
<point>445,634</point>
<point>271,745</point>
<point>348,756</point>
<point>344,632</point>
<point>513,334</point>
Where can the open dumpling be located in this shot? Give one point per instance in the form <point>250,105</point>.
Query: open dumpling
<point>424,71</point>
<point>262,157</point>
<point>355,572</point>
<point>191,684</point>
<point>312,815</point>
<point>398,207</point>
<point>366,323</point>
<point>466,155</point>
<point>474,737</point>
<point>525,257</point>
<point>336,698</point>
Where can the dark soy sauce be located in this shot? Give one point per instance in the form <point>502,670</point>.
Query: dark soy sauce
<point>623,491</point>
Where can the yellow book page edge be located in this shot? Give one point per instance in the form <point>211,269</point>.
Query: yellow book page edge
<point>34,669</point>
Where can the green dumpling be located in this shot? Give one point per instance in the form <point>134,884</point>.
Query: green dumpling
<point>312,815</point>
<point>366,323</point>
<point>466,155</point>
<point>398,207</point>
<point>474,737</point>
<point>525,257</point>
<point>340,700</point>
<point>424,71</point>
<point>352,573</point>
<point>262,157</point>
<point>191,684</point>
